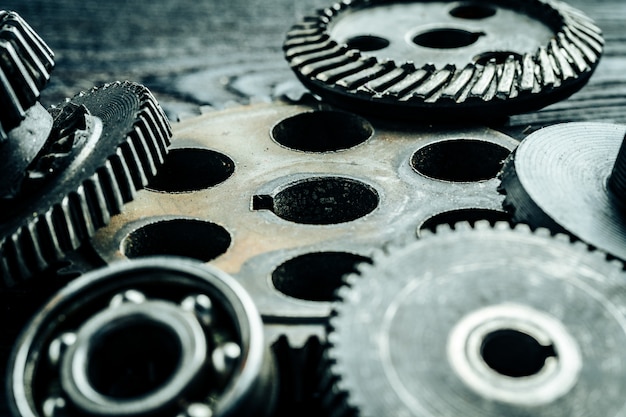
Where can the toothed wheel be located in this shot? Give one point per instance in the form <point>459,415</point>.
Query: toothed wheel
<point>104,145</point>
<point>481,322</point>
<point>444,60</point>
<point>24,69</point>
<point>570,179</point>
<point>163,336</point>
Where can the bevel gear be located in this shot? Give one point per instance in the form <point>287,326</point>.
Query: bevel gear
<point>103,146</point>
<point>159,336</point>
<point>483,321</point>
<point>444,60</point>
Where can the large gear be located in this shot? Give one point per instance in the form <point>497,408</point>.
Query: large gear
<point>104,145</point>
<point>163,336</point>
<point>484,321</point>
<point>24,69</point>
<point>444,60</point>
<point>570,179</point>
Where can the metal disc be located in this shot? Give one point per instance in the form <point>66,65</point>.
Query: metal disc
<point>444,60</point>
<point>557,178</point>
<point>482,322</point>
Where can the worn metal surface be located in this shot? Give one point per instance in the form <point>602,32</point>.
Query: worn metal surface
<point>560,178</point>
<point>143,337</point>
<point>502,322</point>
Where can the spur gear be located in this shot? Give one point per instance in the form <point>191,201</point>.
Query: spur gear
<point>483,321</point>
<point>103,146</point>
<point>444,60</point>
<point>163,336</point>
<point>569,178</point>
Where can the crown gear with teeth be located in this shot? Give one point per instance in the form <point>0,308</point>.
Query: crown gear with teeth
<point>481,59</point>
<point>24,70</point>
<point>103,146</point>
<point>159,336</point>
<point>483,321</point>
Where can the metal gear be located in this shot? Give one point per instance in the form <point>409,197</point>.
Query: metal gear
<point>24,69</point>
<point>444,60</point>
<point>291,198</point>
<point>163,336</point>
<point>104,145</point>
<point>570,179</point>
<point>484,321</point>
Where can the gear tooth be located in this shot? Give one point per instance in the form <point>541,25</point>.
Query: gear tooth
<point>482,225</point>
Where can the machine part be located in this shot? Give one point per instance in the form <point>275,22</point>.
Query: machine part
<point>483,321</point>
<point>160,336</point>
<point>570,178</point>
<point>104,145</point>
<point>24,70</point>
<point>291,197</point>
<point>444,60</point>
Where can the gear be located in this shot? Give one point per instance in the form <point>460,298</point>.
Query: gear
<point>483,60</point>
<point>568,178</point>
<point>484,321</point>
<point>293,198</point>
<point>104,145</point>
<point>24,69</point>
<point>163,336</point>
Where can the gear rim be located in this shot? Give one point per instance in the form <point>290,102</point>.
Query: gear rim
<point>346,78</point>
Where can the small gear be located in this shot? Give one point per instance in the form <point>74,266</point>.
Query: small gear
<point>570,179</point>
<point>444,60</point>
<point>483,321</point>
<point>104,145</point>
<point>163,336</point>
<point>24,69</point>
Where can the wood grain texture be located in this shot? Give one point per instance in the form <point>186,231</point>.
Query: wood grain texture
<point>193,53</point>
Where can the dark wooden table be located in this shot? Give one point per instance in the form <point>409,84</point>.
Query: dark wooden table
<point>192,53</point>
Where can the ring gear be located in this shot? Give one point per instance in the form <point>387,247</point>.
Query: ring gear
<point>559,177</point>
<point>483,321</point>
<point>164,336</point>
<point>417,82</point>
<point>104,145</point>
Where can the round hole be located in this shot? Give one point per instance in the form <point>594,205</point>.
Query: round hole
<point>515,354</point>
<point>471,215</point>
<point>315,276</point>
<point>499,57</point>
<point>190,169</point>
<point>322,131</point>
<point>132,359</point>
<point>325,201</point>
<point>180,237</point>
<point>473,11</point>
<point>367,43</point>
<point>446,38</point>
<point>459,160</point>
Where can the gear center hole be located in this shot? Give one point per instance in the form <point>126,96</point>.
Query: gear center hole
<point>516,354</point>
<point>132,359</point>
<point>446,38</point>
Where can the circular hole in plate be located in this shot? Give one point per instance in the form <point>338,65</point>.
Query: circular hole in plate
<point>315,276</point>
<point>513,353</point>
<point>133,359</point>
<point>471,215</point>
<point>189,238</point>
<point>367,43</point>
<point>325,201</point>
<point>498,57</point>
<point>459,160</point>
<point>446,38</point>
<point>473,11</point>
<point>322,131</point>
<point>192,169</point>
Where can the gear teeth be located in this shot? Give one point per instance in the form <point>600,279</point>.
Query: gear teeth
<point>66,224</point>
<point>327,67</point>
<point>24,69</point>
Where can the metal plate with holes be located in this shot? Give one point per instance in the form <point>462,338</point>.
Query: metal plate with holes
<point>288,199</point>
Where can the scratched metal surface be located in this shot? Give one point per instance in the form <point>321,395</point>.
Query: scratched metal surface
<point>193,53</point>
